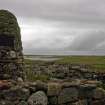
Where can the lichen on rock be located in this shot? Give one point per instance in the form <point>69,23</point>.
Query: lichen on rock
<point>11,56</point>
<point>9,26</point>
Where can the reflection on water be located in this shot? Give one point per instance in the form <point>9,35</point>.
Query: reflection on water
<point>42,58</point>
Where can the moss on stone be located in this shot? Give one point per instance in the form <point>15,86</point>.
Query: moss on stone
<point>9,26</point>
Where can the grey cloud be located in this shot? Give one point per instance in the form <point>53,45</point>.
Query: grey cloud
<point>100,46</point>
<point>88,42</point>
<point>82,20</point>
<point>81,10</point>
<point>48,43</point>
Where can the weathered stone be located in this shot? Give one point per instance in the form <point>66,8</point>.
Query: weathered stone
<point>16,93</point>
<point>53,100</point>
<point>88,75</point>
<point>38,98</point>
<point>86,90</point>
<point>68,95</point>
<point>19,80</point>
<point>53,89</point>
<point>74,83</point>
<point>23,103</point>
<point>32,89</point>
<point>98,102</point>
<point>41,85</point>
<point>64,71</point>
<point>80,102</point>
<point>99,93</point>
<point>10,47</point>
<point>5,102</point>
<point>4,84</point>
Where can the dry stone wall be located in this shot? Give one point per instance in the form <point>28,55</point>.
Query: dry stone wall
<point>64,71</point>
<point>51,93</point>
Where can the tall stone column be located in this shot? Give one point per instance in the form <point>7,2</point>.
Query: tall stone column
<point>11,56</point>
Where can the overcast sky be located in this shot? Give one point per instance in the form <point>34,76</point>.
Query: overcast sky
<point>60,26</point>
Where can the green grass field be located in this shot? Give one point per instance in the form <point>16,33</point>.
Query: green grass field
<point>83,59</point>
<point>97,63</point>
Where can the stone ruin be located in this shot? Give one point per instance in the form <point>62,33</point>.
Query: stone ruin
<point>12,92</point>
<point>11,57</point>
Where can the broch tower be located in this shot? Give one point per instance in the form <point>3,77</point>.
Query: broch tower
<point>11,56</point>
